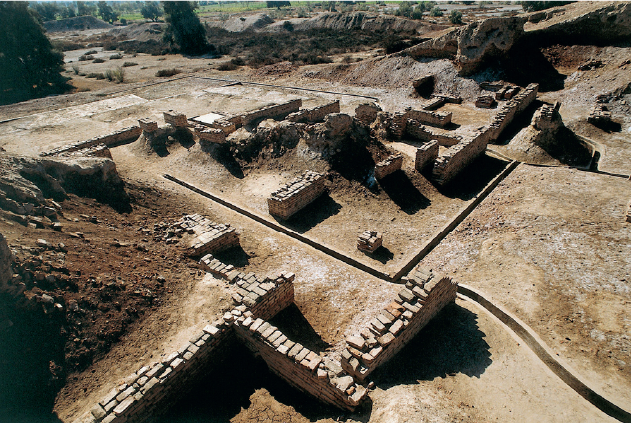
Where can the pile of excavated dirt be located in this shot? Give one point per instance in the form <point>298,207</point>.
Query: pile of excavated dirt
<point>78,23</point>
<point>242,23</point>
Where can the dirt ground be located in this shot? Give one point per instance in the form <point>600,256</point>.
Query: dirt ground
<point>549,244</point>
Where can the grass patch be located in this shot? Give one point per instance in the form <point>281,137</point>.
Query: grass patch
<point>128,64</point>
<point>86,57</point>
<point>117,74</point>
<point>167,72</point>
<point>98,60</point>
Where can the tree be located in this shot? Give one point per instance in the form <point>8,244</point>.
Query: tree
<point>47,10</point>
<point>277,4</point>
<point>85,9</point>
<point>29,67</point>
<point>184,27</point>
<point>404,9</point>
<point>106,12</point>
<point>435,12</point>
<point>455,17</point>
<point>418,12</point>
<point>151,10</point>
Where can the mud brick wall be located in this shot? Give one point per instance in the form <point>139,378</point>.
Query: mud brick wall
<point>599,114</point>
<point>176,119</point>
<point>148,125</point>
<point>388,166</point>
<point>297,194</point>
<point>417,131</point>
<point>227,126</point>
<point>316,114</point>
<point>210,237</point>
<point>149,392</point>
<point>457,157</point>
<point>425,155</point>
<point>117,137</point>
<point>265,297</point>
<point>434,103</point>
<point>213,135</point>
<point>99,150</point>
<point>423,297</point>
<point>272,111</point>
<point>367,113</point>
<point>430,118</point>
<point>300,367</point>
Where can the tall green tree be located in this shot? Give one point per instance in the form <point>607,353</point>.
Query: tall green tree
<point>184,27</point>
<point>151,10</point>
<point>29,67</point>
<point>107,13</point>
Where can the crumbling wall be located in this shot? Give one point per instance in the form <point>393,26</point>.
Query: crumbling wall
<point>425,155</point>
<point>209,237</point>
<point>210,134</point>
<point>423,297</point>
<point>316,114</point>
<point>416,130</point>
<point>366,113</point>
<point>296,194</point>
<point>115,138</point>
<point>457,157</point>
<point>300,367</point>
<point>441,119</point>
<point>271,111</point>
<point>389,165</point>
<point>175,119</point>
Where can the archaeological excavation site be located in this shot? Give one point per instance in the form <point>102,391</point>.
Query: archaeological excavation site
<point>364,212</point>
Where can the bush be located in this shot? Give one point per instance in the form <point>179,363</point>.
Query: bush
<point>455,17</point>
<point>238,61</point>
<point>128,64</point>
<point>117,74</point>
<point>116,56</point>
<point>98,60</point>
<point>288,26</point>
<point>95,75</point>
<point>86,57</point>
<point>167,72</point>
<point>91,52</point>
<point>75,69</point>
<point>435,12</point>
<point>227,66</point>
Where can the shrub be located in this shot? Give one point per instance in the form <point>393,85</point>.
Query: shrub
<point>167,72</point>
<point>95,75</point>
<point>98,60</point>
<point>116,56</point>
<point>86,57</point>
<point>128,64</point>
<point>435,12</point>
<point>227,66</point>
<point>455,17</point>
<point>117,74</point>
<point>91,52</point>
<point>75,69</point>
<point>288,26</point>
<point>238,61</point>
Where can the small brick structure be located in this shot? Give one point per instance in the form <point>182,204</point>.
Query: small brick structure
<point>209,237</point>
<point>369,241</point>
<point>366,113</point>
<point>599,115</point>
<point>425,155</point>
<point>388,166</point>
<point>484,102</point>
<point>175,119</point>
<point>147,125</point>
<point>316,114</point>
<point>427,117</point>
<point>295,195</point>
<point>425,294</point>
<point>207,133</point>
<point>274,111</point>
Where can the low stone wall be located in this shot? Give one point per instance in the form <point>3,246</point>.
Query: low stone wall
<point>175,119</point>
<point>485,102</point>
<point>210,237</point>
<point>227,126</point>
<point>430,118</point>
<point>366,113</point>
<point>418,131</point>
<point>117,137</point>
<point>148,125</point>
<point>99,150</point>
<point>315,114</point>
<point>425,155</point>
<point>423,297</point>
<point>388,166</point>
<point>210,134</point>
<point>297,194</point>
<point>300,367</point>
<point>599,115</point>
<point>271,111</point>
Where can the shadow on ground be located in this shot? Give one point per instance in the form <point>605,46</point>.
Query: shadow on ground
<point>293,324</point>
<point>221,154</point>
<point>381,254</point>
<point>471,181</point>
<point>235,256</point>
<point>309,217</point>
<point>451,343</point>
<point>403,193</point>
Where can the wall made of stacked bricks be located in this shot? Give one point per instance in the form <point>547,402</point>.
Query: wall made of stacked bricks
<point>117,137</point>
<point>210,134</point>
<point>388,166</point>
<point>417,303</point>
<point>284,204</point>
<point>176,119</point>
<point>418,131</point>
<point>148,125</point>
<point>300,367</point>
<point>272,111</point>
<point>425,155</point>
<point>457,157</point>
<point>316,114</point>
<point>430,118</point>
<point>151,390</point>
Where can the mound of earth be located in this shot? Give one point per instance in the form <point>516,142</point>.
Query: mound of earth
<point>243,23</point>
<point>352,21</point>
<point>78,23</point>
<point>139,31</point>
